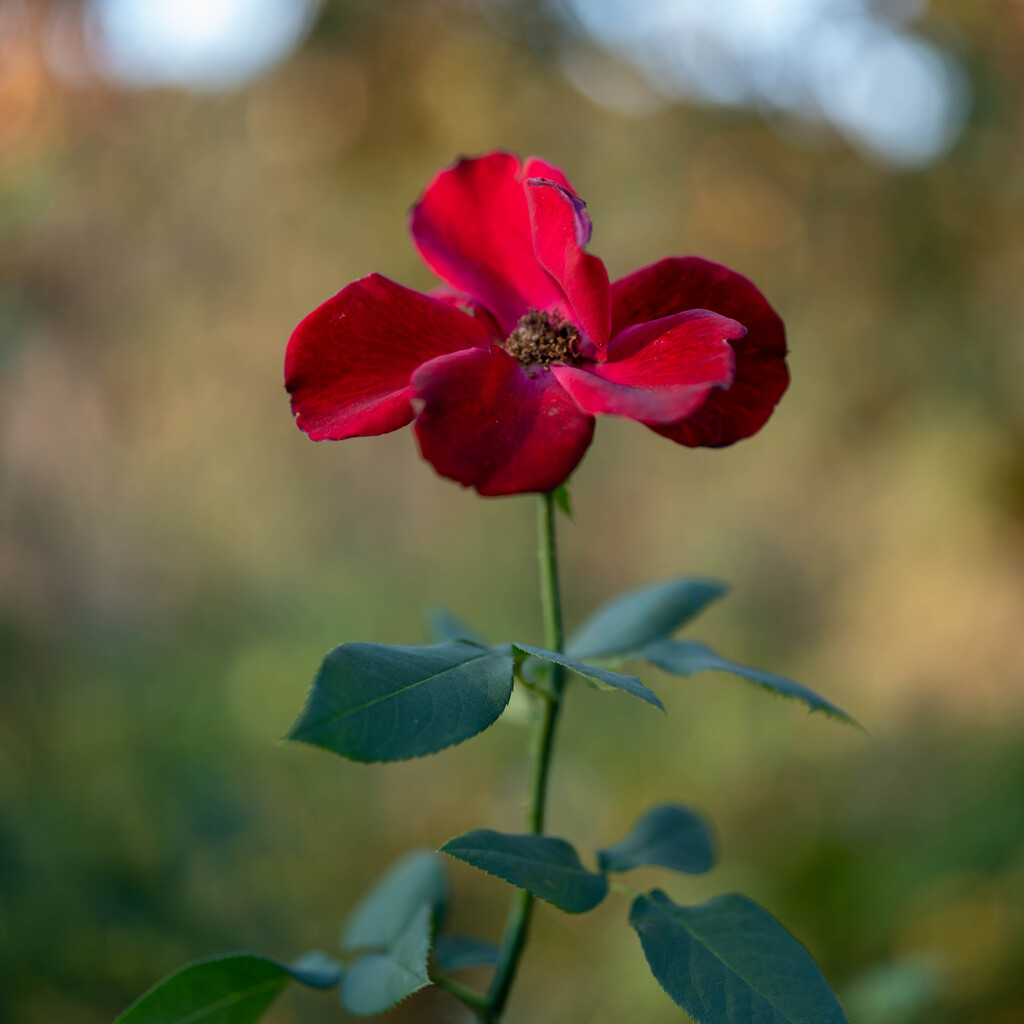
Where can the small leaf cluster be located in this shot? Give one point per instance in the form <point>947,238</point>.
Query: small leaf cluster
<point>726,961</point>
<point>387,947</point>
<point>374,702</point>
<point>390,935</point>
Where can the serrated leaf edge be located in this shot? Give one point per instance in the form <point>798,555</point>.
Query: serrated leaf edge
<point>501,878</point>
<point>384,951</point>
<point>732,970</point>
<point>541,654</point>
<point>825,707</point>
<point>496,650</point>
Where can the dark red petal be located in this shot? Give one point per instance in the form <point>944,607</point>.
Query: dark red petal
<point>561,230</point>
<point>472,227</point>
<point>659,372</point>
<point>677,284</point>
<point>487,424</point>
<point>349,362</point>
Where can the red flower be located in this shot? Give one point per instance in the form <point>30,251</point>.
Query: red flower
<point>504,370</point>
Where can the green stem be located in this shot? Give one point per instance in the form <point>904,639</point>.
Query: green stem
<point>547,557</point>
<point>541,747</point>
<point>625,890</point>
<point>465,995</point>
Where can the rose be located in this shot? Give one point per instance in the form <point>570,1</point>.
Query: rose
<point>504,369</point>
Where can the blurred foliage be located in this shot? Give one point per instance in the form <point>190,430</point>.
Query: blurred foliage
<point>175,557</point>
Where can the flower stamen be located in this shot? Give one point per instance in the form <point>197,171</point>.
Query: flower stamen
<point>542,338</point>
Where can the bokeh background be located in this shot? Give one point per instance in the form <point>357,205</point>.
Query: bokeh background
<point>180,182</point>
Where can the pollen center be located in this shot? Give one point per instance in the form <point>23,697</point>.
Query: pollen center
<point>542,338</point>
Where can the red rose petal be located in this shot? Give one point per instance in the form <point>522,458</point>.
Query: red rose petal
<point>658,372</point>
<point>472,227</point>
<point>349,363</point>
<point>561,230</point>
<point>487,424</point>
<point>680,283</point>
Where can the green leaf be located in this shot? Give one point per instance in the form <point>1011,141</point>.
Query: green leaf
<point>446,626</point>
<point>378,981</point>
<point>563,500</point>
<point>668,836</point>
<point>549,868</point>
<point>385,911</point>
<point>685,657</point>
<point>602,676</point>
<point>457,952</point>
<point>728,961</point>
<point>370,702</point>
<point>641,616</point>
<point>235,988</point>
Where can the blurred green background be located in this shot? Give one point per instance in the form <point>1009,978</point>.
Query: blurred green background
<point>175,557</point>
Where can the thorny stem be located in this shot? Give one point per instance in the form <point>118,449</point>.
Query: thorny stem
<point>541,747</point>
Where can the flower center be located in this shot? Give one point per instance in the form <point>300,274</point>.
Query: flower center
<point>543,338</point>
